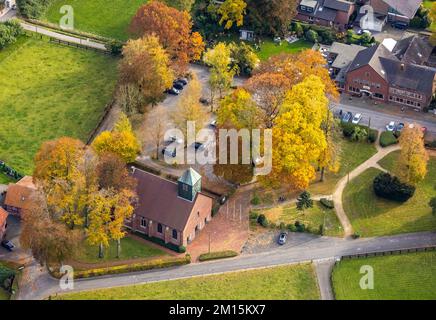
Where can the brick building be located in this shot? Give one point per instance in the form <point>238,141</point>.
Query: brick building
<point>328,13</point>
<point>173,212</point>
<point>19,196</point>
<point>3,223</point>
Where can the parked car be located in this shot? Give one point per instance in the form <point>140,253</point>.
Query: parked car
<point>173,91</point>
<point>8,245</point>
<point>169,152</point>
<point>183,81</point>
<point>347,117</point>
<point>400,25</point>
<point>178,85</point>
<point>357,118</point>
<point>400,127</point>
<point>198,145</point>
<point>213,123</point>
<point>282,238</point>
<point>390,126</point>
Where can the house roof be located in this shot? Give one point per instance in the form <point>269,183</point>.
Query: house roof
<point>320,12</point>
<point>3,216</point>
<point>413,49</point>
<point>20,193</point>
<point>190,177</point>
<point>345,54</point>
<point>407,8</point>
<point>409,76</point>
<point>371,56</point>
<point>158,200</point>
<point>340,5</point>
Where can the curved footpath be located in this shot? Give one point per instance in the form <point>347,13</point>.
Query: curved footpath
<point>317,249</point>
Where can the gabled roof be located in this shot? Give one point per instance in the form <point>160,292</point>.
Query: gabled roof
<point>407,8</point>
<point>3,216</point>
<point>345,53</point>
<point>371,56</point>
<point>19,194</point>
<point>190,177</point>
<point>340,5</point>
<point>413,49</point>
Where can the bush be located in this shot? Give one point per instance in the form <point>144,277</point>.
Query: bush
<point>33,9</point>
<point>372,135</point>
<point>329,204</point>
<point>311,35</point>
<point>217,255</point>
<point>390,187</point>
<point>253,215</point>
<point>9,31</point>
<point>291,227</point>
<point>262,220</point>
<point>347,129</point>
<point>256,200</point>
<point>387,138</point>
<point>300,227</point>
<point>115,47</point>
<point>148,265</point>
<point>171,246</point>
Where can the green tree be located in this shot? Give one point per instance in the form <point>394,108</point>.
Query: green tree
<point>304,201</point>
<point>432,204</point>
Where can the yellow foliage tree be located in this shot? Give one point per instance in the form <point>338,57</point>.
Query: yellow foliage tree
<point>121,141</point>
<point>232,11</point>
<point>412,163</point>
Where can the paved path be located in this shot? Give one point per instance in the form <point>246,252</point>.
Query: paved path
<point>340,186</point>
<point>60,36</point>
<point>319,248</point>
<point>324,270</point>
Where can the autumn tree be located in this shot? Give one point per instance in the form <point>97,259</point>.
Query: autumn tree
<point>121,141</point>
<point>189,108</point>
<point>232,12</point>
<point>412,164</point>
<point>173,29</point>
<point>145,67</point>
<point>112,173</point>
<point>221,71</point>
<point>130,98</point>
<point>271,17</point>
<point>182,5</point>
<point>154,129</point>
<point>298,66</point>
<point>243,57</point>
<point>270,91</point>
<point>298,138</point>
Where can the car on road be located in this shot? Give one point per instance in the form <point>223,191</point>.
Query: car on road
<point>400,25</point>
<point>357,118</point>
<point>8,245</point>
<point>173,91</point>
<point>178,85</point>
<point>283,236</point>
<point>347,117</point>
<point>390,126</point>
<point>400,127</point>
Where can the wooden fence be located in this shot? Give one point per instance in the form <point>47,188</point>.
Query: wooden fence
<point>78,45</point>
<point>388,252</point>
<point>96,130</point>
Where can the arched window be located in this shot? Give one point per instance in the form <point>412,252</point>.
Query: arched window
<point>159,228</point>
<point>174,234</point>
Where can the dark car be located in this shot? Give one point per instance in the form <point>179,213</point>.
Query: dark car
<point>400,127</point>
<point>400,25</point>
<point>183,81</point>
<point>347,117</point>
<point>178,85</point>
<point>282,238</point>
<point>173,91</point>
<point>170,152</point>
<point>8,245</point>
<point>198,145</point>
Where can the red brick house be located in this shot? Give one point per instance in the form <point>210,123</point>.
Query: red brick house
<point>19,196</point>
<point>328,13</point>
<point>3,223</point>
<point>395,10</point>
<point>173,212</point>
<point>378,73</point>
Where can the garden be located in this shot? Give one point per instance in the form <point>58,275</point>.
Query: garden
<point>296,282</point>
<point>397,277</point>
<point>54,91</point>
<point>371,215</point>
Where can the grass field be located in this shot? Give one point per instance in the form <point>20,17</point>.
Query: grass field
<point>54,91</point>
<point>313,217</point>
<point>130,249</point>
<point>372,216</point>
<point>400,277</point>
<point>269,48</point>
<point>109,18</point>
<point>282,283</point>
<point>352,155</point>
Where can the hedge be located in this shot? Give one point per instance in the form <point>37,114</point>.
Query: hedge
<point>390,187</point>
<point>217,255</point>
<point>33,8</point>
<point>387,138</point>
<point>348,130</point>
<point>329,204</point>
<point>171,246</point>
<point>148,265</point>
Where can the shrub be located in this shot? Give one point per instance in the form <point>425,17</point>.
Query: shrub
<point>387,138</point>
<point>262,220</point>
<point>256,200</point>
<point>282,226</point>
<point>9,31</point>
<point>300,227</point>
<point>372,135</point>
<point>33,9</point>
<point>321,229</point>
<point>311,35</point>
<point>329,204</point>
<point>304,201</point>
<point>390,187</point>
<point>432,204</point>
<point>291,227</point>
<point>217,255</point>
<point>347,129</point>
<point>115,47</point>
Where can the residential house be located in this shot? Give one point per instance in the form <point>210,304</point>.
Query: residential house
<point>3,223</point>
<point>387,76</point>
<point>328,13</point>
<point>395,10</point>
<point>173,212</point>
<point>19,196</point>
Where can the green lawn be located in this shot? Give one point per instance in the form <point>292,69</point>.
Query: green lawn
<point>281,283</point>
<point>131,248</point>
<point>5,272</point>
<point>109,18</point>
<point>5,179</point>
<point>399,277</point>
<point>372,216</point>
<point>49,91</point>
<point>428,3</point>
<point>313,217</point>
<point>269,48</point>
<point>351,156</point>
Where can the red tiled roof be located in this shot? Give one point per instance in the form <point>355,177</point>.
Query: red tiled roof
<point>3,216</point>
<point>19,194</point>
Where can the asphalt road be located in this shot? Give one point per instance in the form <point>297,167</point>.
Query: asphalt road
<point>318,248</point>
